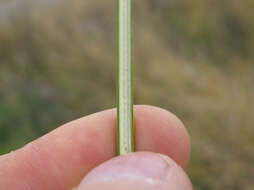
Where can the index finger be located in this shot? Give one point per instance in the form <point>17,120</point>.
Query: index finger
<point>60,159</point>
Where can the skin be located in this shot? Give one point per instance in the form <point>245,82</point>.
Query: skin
<point>84,151</point>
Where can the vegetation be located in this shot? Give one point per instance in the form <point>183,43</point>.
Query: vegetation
<point>194,58</point>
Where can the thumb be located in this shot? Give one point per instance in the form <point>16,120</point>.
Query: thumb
<point>137,171</point>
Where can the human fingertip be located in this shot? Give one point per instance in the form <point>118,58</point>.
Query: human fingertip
<point>142,171</point>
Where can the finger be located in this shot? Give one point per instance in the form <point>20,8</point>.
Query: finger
<point>137,171</point>
<point>60,159</point>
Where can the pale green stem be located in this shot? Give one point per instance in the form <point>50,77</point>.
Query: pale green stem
<point>124,91</point>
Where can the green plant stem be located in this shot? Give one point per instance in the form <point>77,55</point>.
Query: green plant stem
<point>125,136</point>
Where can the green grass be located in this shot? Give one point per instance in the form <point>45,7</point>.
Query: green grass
<point>124,72</point>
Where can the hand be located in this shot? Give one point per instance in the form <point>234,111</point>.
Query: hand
<point>60,159</point>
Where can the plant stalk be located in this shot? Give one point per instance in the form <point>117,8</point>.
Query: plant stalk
<point>125,128</point>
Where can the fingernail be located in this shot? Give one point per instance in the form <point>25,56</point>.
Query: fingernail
<point>142,171</point>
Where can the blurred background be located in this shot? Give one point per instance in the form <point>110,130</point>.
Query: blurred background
<point>194,58</point>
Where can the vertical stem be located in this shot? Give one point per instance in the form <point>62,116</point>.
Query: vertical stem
<point>125,129</point>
